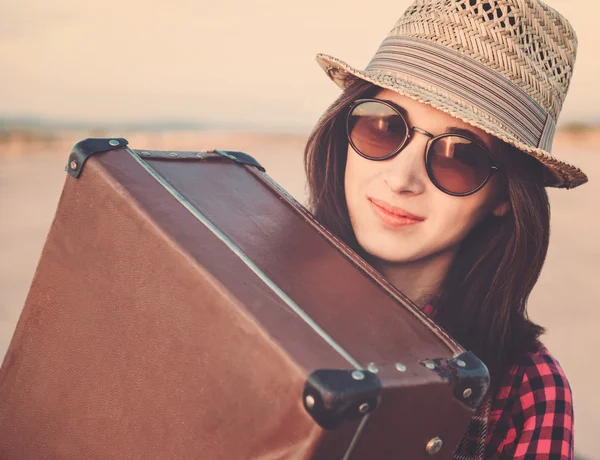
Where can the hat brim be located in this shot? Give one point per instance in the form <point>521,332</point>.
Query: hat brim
<point>559,173</point>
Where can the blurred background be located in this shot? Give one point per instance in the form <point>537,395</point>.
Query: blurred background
<point>241,75</point>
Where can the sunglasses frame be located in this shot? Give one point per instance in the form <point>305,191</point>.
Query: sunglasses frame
<point>409,134</point>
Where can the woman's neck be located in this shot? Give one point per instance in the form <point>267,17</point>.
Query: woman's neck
<point>421,280</point>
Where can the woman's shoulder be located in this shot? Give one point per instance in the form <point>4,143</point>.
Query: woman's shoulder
<point>539,371</point>
<point>533,409</point>
<point>540,385</point>
<point>543,386</point>
<point>534,369</point>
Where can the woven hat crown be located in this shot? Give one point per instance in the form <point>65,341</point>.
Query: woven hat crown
<point>526,41</point>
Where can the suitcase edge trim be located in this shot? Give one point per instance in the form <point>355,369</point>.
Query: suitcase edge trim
<point>247,261</point>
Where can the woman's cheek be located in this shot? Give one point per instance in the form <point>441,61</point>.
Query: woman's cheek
<point>455,220</point>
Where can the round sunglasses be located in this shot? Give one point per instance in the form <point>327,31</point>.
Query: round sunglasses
<point>456,164</point>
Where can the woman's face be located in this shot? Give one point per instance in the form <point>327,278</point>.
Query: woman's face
<point>435,222</point>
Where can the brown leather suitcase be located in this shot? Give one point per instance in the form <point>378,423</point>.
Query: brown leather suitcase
<point>186,307</point>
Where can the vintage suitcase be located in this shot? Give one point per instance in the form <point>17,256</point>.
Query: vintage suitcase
<point>186,307</point>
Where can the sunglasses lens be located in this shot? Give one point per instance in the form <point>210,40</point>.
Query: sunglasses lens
<point>458,165</point>
<point>375,129</point>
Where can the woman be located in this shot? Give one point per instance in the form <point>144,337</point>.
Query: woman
<point>433,164</point>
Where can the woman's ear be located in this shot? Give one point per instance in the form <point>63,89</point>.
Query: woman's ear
<point>502,209</point>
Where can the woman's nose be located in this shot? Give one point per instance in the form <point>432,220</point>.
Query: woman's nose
<point>405,172</point>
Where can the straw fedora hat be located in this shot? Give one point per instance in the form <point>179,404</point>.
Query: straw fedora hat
<point>503,66</point>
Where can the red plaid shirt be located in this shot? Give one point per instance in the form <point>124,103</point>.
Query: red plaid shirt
<point>532,414</point>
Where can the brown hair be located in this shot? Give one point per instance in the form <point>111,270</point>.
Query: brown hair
<point>484,296</point>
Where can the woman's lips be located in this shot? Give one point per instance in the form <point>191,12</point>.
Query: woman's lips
<point>392,215</point>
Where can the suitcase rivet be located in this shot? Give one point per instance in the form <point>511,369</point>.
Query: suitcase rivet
<point>173,154</point>
<point>468,392</point>
<point>401,367</point>
<point>201,155</point>
<point>373,368</point>
<point>310,401</point>
<point>434,446</point>
<point>461,363</point>
<point>358,375</point>
<point>114,142</point>
<point>430,366</point>
<point>364,408</point>
<point>73,165</point>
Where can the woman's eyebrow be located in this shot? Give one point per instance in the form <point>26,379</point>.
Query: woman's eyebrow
<point>398,107</point>
<point>468,133</point>
<point>449,130</point>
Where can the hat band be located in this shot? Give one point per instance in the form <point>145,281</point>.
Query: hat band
<point>469,82</point>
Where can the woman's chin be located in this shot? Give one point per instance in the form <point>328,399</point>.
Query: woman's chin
<point>390,255</point>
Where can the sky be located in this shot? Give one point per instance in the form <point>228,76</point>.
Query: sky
<point>217,62</point>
